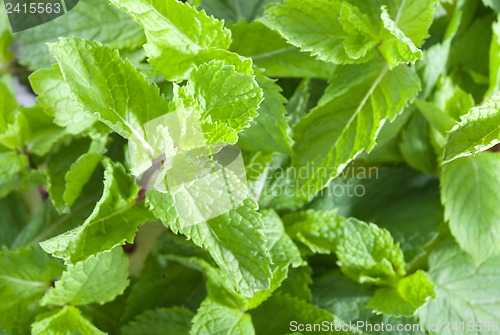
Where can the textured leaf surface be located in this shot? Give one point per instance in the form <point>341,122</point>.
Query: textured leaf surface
<point>98,279</point>
<point>270,51</point>
<point>410,293</point>
<point>332,31</point>
<point>54,96</point>
<point>176,33</point>
<point>368,254</point>
<point>114,220</point>
<point>269,131</point>
<point>348,119</point>
<point>176,320</point>
<point>215,319</point>
<point>470,192</point>
<point>228,99</point>
<point>25,275</point>
<point>348,300</point>
<point>318,230</point>
<point>235,241</point>
<point>90,19</point>
<point>110,88</point>
<point>477,131</point>
<point>68,320</point>
<point>230,10</point>
<point>463,292</point>
<point>276,315</point>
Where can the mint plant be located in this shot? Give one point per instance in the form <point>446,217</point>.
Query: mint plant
<point>252,167</point>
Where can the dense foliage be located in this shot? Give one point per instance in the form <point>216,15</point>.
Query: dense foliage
<point>369,132</point>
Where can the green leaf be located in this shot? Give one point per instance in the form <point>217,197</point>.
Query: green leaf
<point>15,215</point>
<point>11,163</point>
<point>90,19</point>
<point>270,52</point>
<point>469,191</point>
<point>59,164</point>
<point>100,81</point>
<point>348,299</point>
<point>477,131</point>
<point>362,97</point>
<point>284,253</point>
<point>25,275</point>
<point>5,38</point>
<point>215,319</point>
<point>281,314</point>
<point>113,222</point>
<point>367,254</point>
<point>330,30</point>
<point>230,10</point>
<point>398,49</point>
<point>228,99</point>
<point>464,292</point>
<point>53,94</point>
<point>176,34</point>
<point>234,240</point>
<point>415,145</point>
<point>413,18</point>
<point>153,288</point>
<point>68,320</point>
<point>318,230</point>
<point>269,131</point>
<point>398,199</point>
<point>494,59</point>
<point>410,293</point>
<point>495,4</point>
<point>98,279</point>
<point>78,175</point>
<point>176,320</point>
<point>220,289</point>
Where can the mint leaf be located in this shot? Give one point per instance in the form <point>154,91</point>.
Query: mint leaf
<point>410,293</point>
<point>100,81</point>
<point>216,319</point>
<point>114,220</point>
<point>477,131</point>
<point>399,48</point>
<point>227,99</point>
<point>473,200</point>
<point>11,163</point>
<point>367,254</point>
<point>269,131</point>
<point>363,97</point>
<point>59,164</point>
<point>408,30</point>
<point>153,290</point>
<point>176,320</point>
<point>98,279</point>
<point>90,19</point>
<point>235,10</point>
<point>235,241</point>
<point>176,33</point>
<point>281,314</point>
<point>398,199</point>
<point>330,30</point>
<point>284,253</point>
<point>318,230</point>
<point>78,175</point>
<point>21,287</point>
<point>464,292</point>
<point>272,53</point>
<point>68,320</point>
<point>53,94</point>
<point>15,215</point>
<point>348,300</point>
